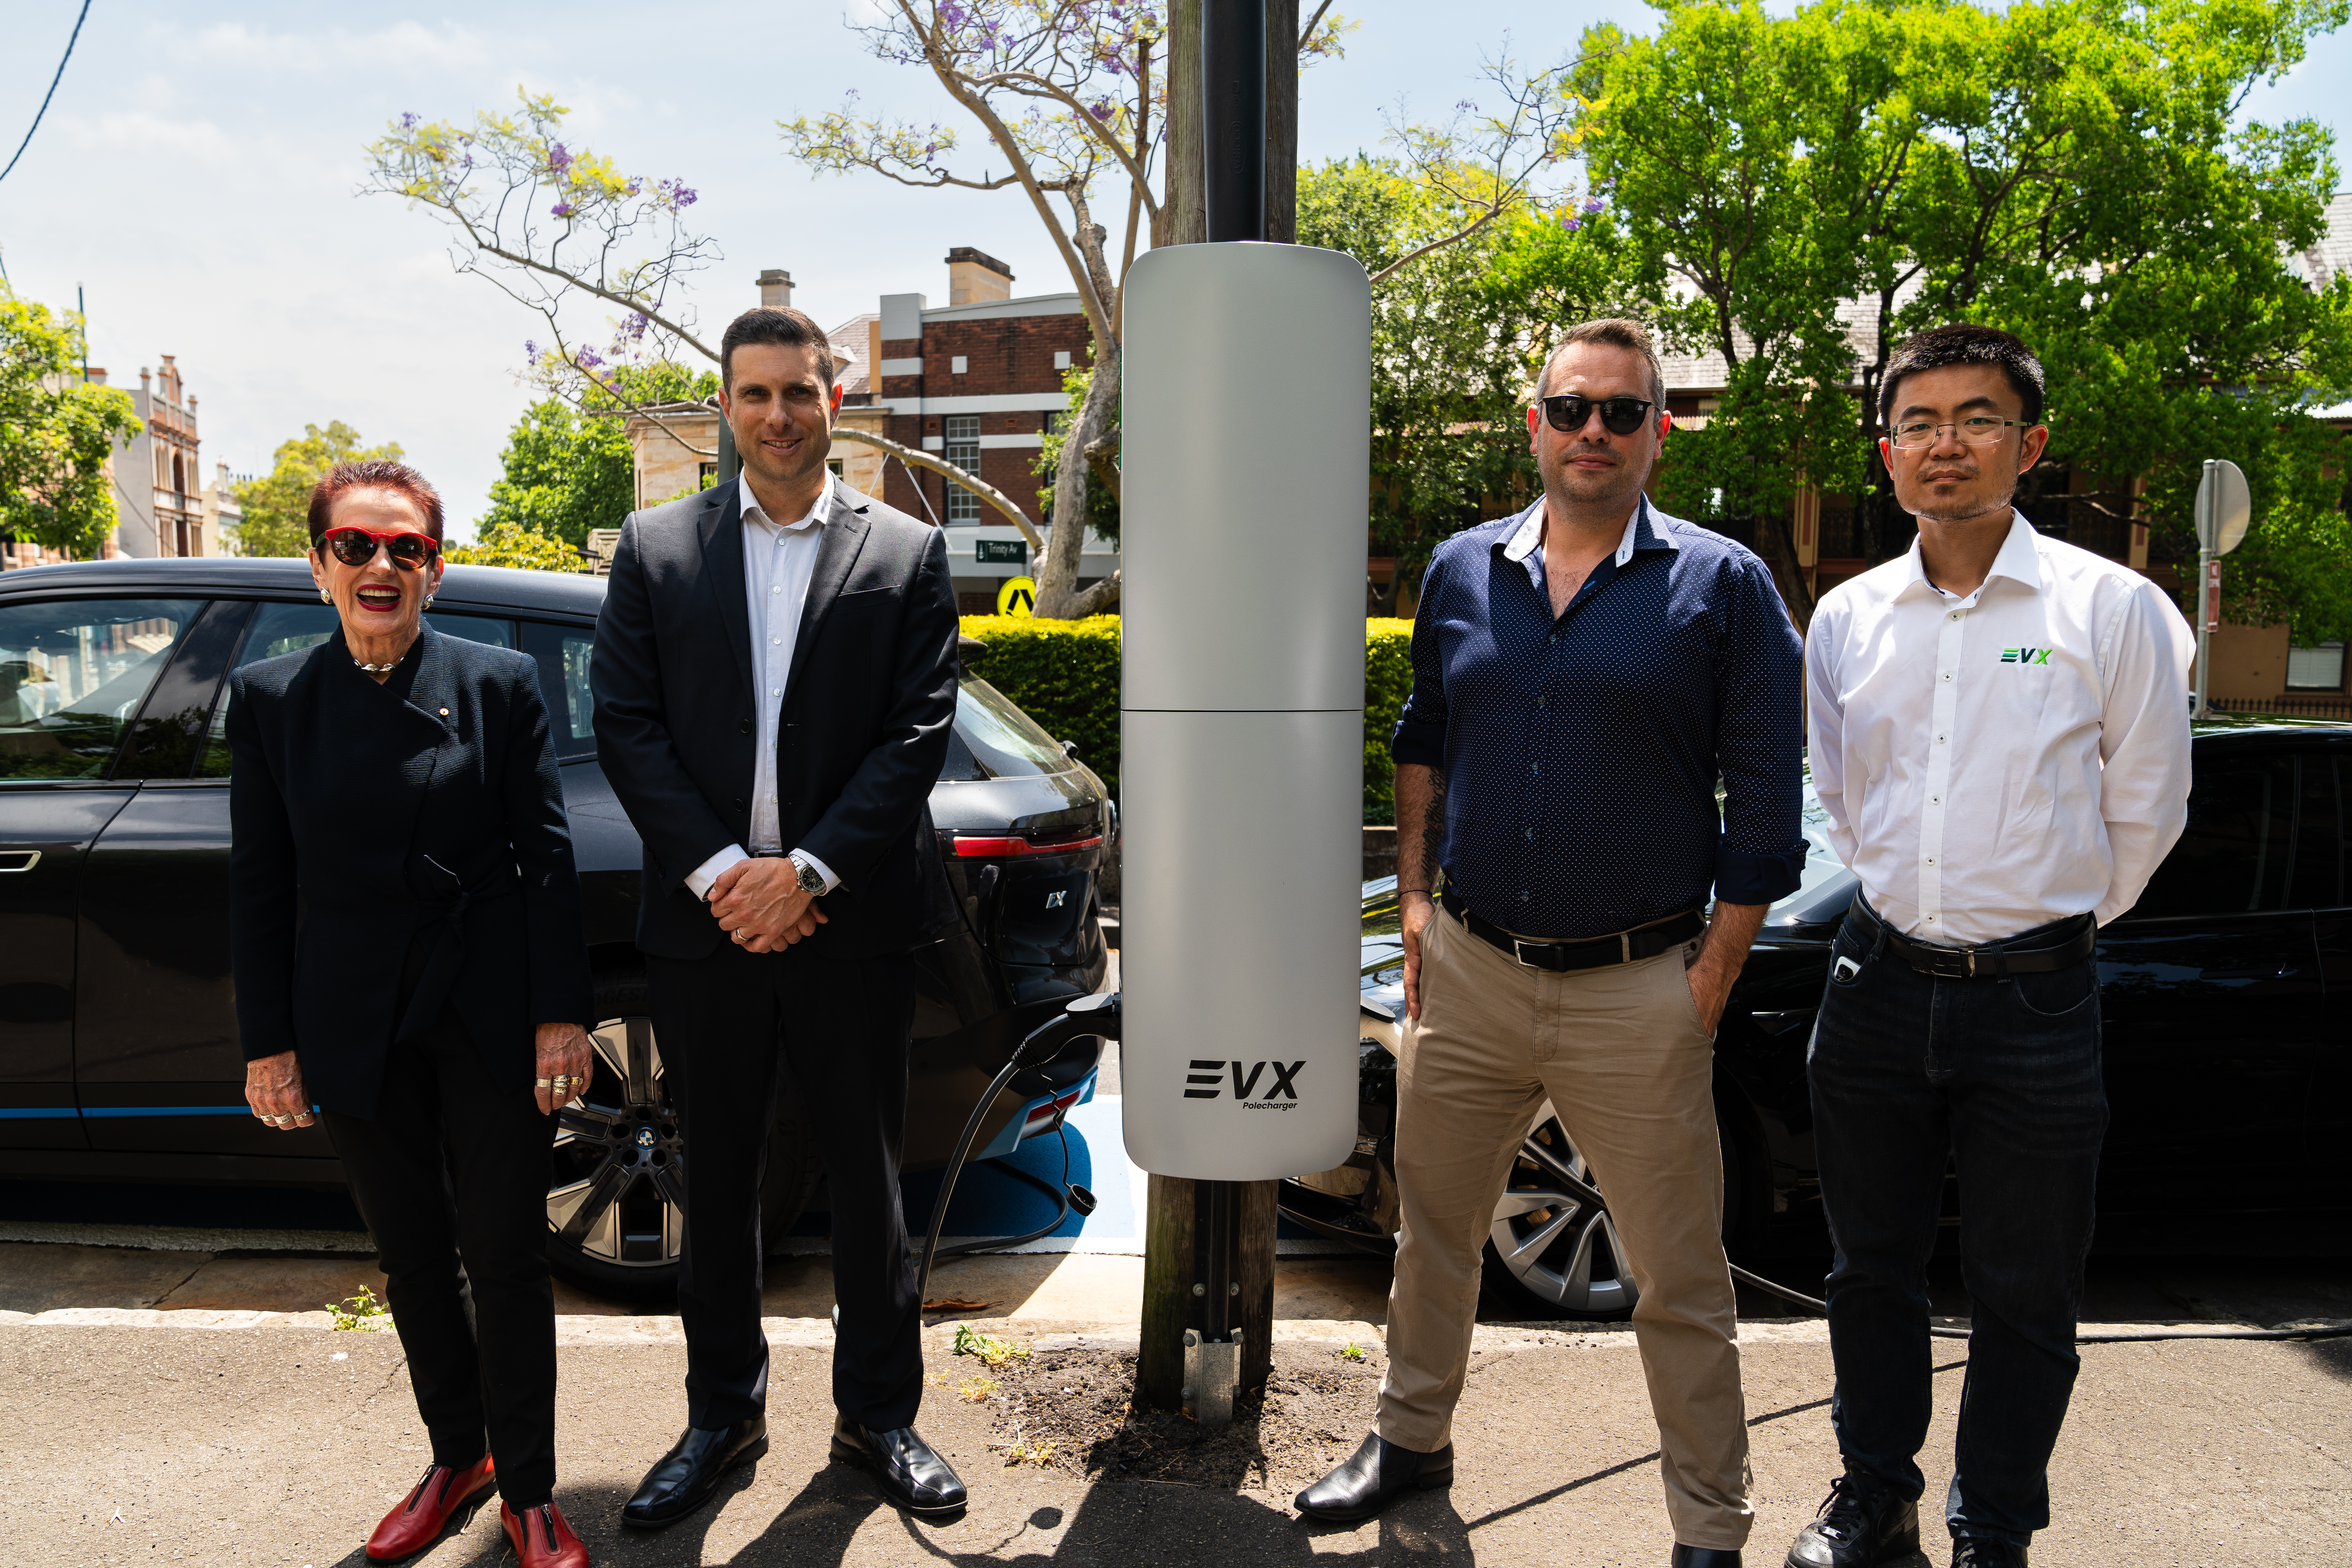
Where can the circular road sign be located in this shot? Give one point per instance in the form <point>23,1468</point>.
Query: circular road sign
<point>2224,507</point>
<point>1018,596</point>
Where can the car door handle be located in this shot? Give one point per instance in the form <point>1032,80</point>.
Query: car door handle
<point>18,861</point>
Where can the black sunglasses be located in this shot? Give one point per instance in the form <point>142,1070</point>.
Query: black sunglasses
<point>1619,416</point>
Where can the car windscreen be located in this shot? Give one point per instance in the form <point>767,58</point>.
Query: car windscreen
<point>1003,739</point>
<point>72,675</point>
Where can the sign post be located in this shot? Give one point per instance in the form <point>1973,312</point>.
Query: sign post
<point>2224,510</point>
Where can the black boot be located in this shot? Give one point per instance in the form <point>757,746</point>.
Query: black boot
<point>1863,1523</point>
<point>687,1474</point>
<point>1975,1552</point>
<point>1702,1557</point>
<point>1379,1472</point>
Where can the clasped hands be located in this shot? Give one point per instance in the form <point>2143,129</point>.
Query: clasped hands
<point>761,906</point>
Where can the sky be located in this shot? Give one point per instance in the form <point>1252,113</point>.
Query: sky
<point>197,175</point>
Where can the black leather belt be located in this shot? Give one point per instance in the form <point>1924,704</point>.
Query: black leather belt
<point>1595,952</point>
<point>2062,944</point>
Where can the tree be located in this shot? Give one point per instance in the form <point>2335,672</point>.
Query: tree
<point>56,431</point>
<point>277,506</point>
<point>569,469</point>
<point>516,544</point>
<point>489,181</point>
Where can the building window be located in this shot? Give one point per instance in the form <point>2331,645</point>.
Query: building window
<point>2317,668</point>
<point>962,445</point>
<point>958,365</point>
<point>832,467</point>
<point>706,475</point>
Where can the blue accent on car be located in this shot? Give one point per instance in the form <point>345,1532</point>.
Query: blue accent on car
<point>34,1112</point>
<point>170,1110</point>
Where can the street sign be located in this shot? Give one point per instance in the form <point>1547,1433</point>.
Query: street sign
<point>2224,507</point>
<point>2213,596</point>
<point>1018,596</point>
<point>988,551</point>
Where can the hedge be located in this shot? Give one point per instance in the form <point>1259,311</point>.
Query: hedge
<point>1065,674</point>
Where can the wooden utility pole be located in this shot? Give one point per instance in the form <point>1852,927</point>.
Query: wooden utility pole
<point>1181,1267</point>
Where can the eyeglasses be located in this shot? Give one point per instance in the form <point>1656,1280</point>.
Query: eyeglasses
<point>1619,416</point>
<point>357,547</point>
<point>1976,430</point>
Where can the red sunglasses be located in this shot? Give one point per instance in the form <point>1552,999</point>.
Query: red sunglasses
<point>357,547</point>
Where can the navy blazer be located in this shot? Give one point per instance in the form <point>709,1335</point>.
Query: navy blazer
<point>866,713</point>
<point>363,814</point>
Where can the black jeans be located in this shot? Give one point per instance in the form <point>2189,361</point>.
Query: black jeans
<point>2003,1076</point>
<point>839,1030</point>
<point>451,1175</point>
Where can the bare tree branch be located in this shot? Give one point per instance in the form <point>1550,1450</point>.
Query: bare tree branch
<point>971,481</point>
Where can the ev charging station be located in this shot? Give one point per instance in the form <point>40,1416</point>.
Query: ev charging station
<point>1247,394</point>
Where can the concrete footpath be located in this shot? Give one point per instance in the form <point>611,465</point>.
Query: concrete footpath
<point>212,1437</point>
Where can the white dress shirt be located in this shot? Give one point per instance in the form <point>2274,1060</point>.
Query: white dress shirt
<point>778,559</point>
<point>1994,763</point>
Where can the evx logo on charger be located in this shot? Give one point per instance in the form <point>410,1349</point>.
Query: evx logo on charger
<point>1281,1093</point>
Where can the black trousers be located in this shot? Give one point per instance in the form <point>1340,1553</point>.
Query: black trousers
<point>733,1027</point>
<point>451,1175</point>
<point>2004,1075</point>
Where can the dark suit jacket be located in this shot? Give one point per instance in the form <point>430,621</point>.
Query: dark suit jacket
<point>363,814</point>
<point>868,709</point>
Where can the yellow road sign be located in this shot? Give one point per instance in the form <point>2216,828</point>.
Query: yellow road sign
<point>1018,596</point>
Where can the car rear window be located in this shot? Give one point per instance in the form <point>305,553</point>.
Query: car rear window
<point>72,675</point>
<point>1005,741</point>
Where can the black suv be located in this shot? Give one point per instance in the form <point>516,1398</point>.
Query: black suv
<point>118,1051</point>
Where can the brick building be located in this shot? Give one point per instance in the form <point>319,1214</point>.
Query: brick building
<point>977,381</point>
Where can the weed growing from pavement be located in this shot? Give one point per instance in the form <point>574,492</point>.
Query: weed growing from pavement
<point>1354,1352</point>
<point>975,1389</point>
<point>363,1311</point>
<point>992,1351</point>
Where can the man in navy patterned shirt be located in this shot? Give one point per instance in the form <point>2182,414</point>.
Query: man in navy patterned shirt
<point>1584,674</point>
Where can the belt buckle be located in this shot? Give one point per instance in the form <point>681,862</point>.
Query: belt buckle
<point>1519,952</point>
<point>1952,964</point>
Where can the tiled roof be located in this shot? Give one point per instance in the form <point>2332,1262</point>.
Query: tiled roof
<point>849,342</point>
<point>2331,258</point>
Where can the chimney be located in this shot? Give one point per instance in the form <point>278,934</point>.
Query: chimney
<point>975,277</point>
<point>776,290</point>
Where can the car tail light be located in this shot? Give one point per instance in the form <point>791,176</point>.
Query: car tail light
<point>1045,1112</point>
<point>968,848</point>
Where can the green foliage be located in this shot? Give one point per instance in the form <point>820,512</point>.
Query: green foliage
<point>1065,674</point>
<point>992,1351</point>
<point>517,544</point>
<point>278,505</point>
<point>1388,682</point>
<point>1458,336</point>
<point>1102,507</point>
<point>56,431</point>
<point>361,1313</point>
<point>568,470</point>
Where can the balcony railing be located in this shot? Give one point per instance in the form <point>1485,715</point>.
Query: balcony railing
<point>2316,705</point>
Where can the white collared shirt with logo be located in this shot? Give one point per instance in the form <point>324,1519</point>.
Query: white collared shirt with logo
<point>778,562</point>
<point>1995,763</point>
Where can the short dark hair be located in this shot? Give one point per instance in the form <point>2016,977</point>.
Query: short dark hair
<point>376,474</point>
<point>1618,332</point>
<point>1963,342</point>
<point>775,324</point>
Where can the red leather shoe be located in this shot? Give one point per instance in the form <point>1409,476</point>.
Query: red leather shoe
<point>425,1513</point>
<point>542,1539</point>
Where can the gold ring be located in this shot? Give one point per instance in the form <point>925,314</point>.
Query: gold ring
<point>543,1083</point>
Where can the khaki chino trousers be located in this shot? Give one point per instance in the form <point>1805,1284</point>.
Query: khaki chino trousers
<point>1620,1054</point>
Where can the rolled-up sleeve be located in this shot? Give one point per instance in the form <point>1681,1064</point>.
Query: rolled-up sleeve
<point>1420,735</point>
<point>1759,742</point>
<point>2143,741</point>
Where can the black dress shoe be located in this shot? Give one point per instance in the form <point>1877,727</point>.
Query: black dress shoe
<point>1703,1557</point>
<point>1975,1552</point>
<point>1380,1472</point>
<point>687,1474</point>
<point>912,1476</point>
<point>1863,1523</point>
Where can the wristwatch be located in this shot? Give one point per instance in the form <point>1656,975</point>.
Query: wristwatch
<point>812,880</point>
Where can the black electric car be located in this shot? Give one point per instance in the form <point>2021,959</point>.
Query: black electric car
<point>118,1053</point>
<point>2227,999</point>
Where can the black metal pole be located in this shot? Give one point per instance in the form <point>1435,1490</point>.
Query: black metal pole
<point>1232,119</point>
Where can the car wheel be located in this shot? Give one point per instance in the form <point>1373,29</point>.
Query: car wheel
<point>616,1198</point>
<point>1554,1250</point>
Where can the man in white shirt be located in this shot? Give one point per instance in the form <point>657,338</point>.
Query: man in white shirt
<point>1999,734</point>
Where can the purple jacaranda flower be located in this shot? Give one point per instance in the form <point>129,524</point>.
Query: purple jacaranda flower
<point>588,359</point>
<point>1099,110</point>
<point>1594,204</point>
<point>561,209</point>
<point>952,15</point>
<point>408,122</point>
<point>558,159</point>
<point>1572,223</point>
<point>632,187</point>
<point>529,350</point>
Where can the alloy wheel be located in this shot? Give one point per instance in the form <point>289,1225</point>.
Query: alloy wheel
<point>1552,1233</point>
<point>619,1192</point>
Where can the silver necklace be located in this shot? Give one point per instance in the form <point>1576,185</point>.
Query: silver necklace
<point>376,668</point>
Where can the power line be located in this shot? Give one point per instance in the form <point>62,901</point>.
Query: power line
<point>27,141</point>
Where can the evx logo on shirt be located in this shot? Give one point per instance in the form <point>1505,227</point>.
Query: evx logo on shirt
<point>2026,655</point>
<point>1282,1088</point>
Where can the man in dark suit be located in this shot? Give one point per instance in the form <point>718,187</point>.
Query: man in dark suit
<point>774,682</point>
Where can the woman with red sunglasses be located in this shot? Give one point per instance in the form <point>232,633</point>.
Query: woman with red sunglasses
<point>405,934</point>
